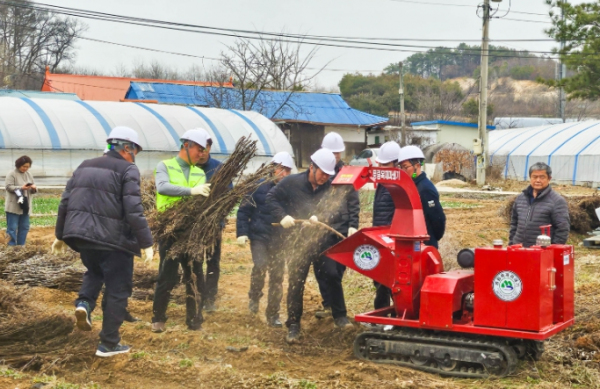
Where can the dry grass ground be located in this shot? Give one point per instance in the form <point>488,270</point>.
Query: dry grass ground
<point>238,350</point>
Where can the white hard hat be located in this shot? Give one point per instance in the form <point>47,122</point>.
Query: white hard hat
<point>410,152</point>
<point>388,152</point>
<point>197,135</point>
<point>126,134</point>
<point>284,159</point>
<point>334,142</point>
<point>325,160</point>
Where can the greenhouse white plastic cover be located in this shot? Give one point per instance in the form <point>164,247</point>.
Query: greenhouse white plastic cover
<point>571,149</point>
<point>58,135</point>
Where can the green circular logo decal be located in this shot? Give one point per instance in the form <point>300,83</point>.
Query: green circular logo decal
<point>507,286</point>
<point>366,257</point>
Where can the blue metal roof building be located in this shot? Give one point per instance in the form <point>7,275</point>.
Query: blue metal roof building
<point>304,107</point>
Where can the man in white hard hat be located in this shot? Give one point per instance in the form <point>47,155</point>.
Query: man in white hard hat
<point>383,210</point>
<point>299,196</point>
<point>210,166</point>
<point>411,160</point>
<point>254,224</point>
<point>101,216</point>
<point>176,178</point>
<point>344,220</point>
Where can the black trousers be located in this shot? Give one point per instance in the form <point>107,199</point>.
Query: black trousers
<point>298,268</point>
<point>267,259</point>
<point>114,269</point>
<point>383,295</point>
<point>213,271</point>
<point>168,278</point>
<point>322,281</point>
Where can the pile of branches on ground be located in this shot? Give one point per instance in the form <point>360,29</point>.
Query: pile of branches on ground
<point>16,254</point>
<point>34,266</point>
<point>194,223</point>
<point>582,212</point>
<point>32,338</point>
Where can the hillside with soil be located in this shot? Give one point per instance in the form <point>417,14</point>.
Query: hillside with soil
<point>237,350</point>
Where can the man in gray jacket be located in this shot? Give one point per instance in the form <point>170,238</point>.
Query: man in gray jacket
<point>539,205</point>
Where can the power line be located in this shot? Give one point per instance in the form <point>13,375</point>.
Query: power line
<point>337,42</point>
<point>213,30</point>
<point>204,57</point>
<point>332,42</point>
<point>461,5</point>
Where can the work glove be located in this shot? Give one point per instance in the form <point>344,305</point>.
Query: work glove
<point>351,231</point>
<point>287,222</point>
<point>58,247</point>
<point>20,200</point>
<point>242,240</point>
<point>313,220</point>
<point>202,190</point>
<point>147,254</point>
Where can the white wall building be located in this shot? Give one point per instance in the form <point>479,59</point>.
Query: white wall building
<point>441,131</point>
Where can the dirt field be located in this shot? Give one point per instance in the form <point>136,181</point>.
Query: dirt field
<point>238,350</point>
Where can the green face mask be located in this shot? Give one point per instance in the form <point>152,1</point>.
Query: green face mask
<point>414,175</point>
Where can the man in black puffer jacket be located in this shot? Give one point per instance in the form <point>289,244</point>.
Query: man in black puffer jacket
<point>101,217</point>
<point>306,196</point>
<point>254,223</point>
<point>539,205</point>
<point>344,221</point>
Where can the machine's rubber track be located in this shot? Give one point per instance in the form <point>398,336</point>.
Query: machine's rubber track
<point>420,349</point>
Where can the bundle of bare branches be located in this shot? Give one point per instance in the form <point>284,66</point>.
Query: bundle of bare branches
<point>16,254</point>
<point>148,190</point>
<point>194,223</point>
<point>52,272</point>
<point>31,337</point>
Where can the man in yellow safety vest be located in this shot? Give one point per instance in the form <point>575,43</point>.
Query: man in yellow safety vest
<point>176,178</point>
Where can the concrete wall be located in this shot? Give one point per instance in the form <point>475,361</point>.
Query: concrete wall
<point>456,134</point>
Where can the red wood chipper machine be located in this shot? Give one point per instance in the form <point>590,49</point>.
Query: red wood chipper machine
<point>464,323</point>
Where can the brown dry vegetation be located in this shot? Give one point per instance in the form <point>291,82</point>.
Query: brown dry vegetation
<point>214,357</point>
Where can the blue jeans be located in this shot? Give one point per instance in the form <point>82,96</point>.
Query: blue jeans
<point>17,227</point>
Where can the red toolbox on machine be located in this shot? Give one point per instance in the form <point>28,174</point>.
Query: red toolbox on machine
<point>516,288</point>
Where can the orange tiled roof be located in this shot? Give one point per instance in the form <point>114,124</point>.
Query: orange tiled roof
<point>103,88</point>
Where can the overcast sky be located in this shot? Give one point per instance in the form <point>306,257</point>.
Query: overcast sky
<point>414,19</point>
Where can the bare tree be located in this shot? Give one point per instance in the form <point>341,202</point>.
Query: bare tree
<point>271,63</point>
<point>30,40</point>
<point>155,71</point>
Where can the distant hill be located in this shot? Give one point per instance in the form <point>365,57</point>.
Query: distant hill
<point>446,63</point>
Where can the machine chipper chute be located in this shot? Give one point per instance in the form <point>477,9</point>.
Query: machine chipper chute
<point>464,323</point>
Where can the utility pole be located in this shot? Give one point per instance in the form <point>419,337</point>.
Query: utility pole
<point>402,114</point>
<point>562,73</point>
<point>483,158</point>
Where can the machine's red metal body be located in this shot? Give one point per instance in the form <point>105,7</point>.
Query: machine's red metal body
<point>524,293</point>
